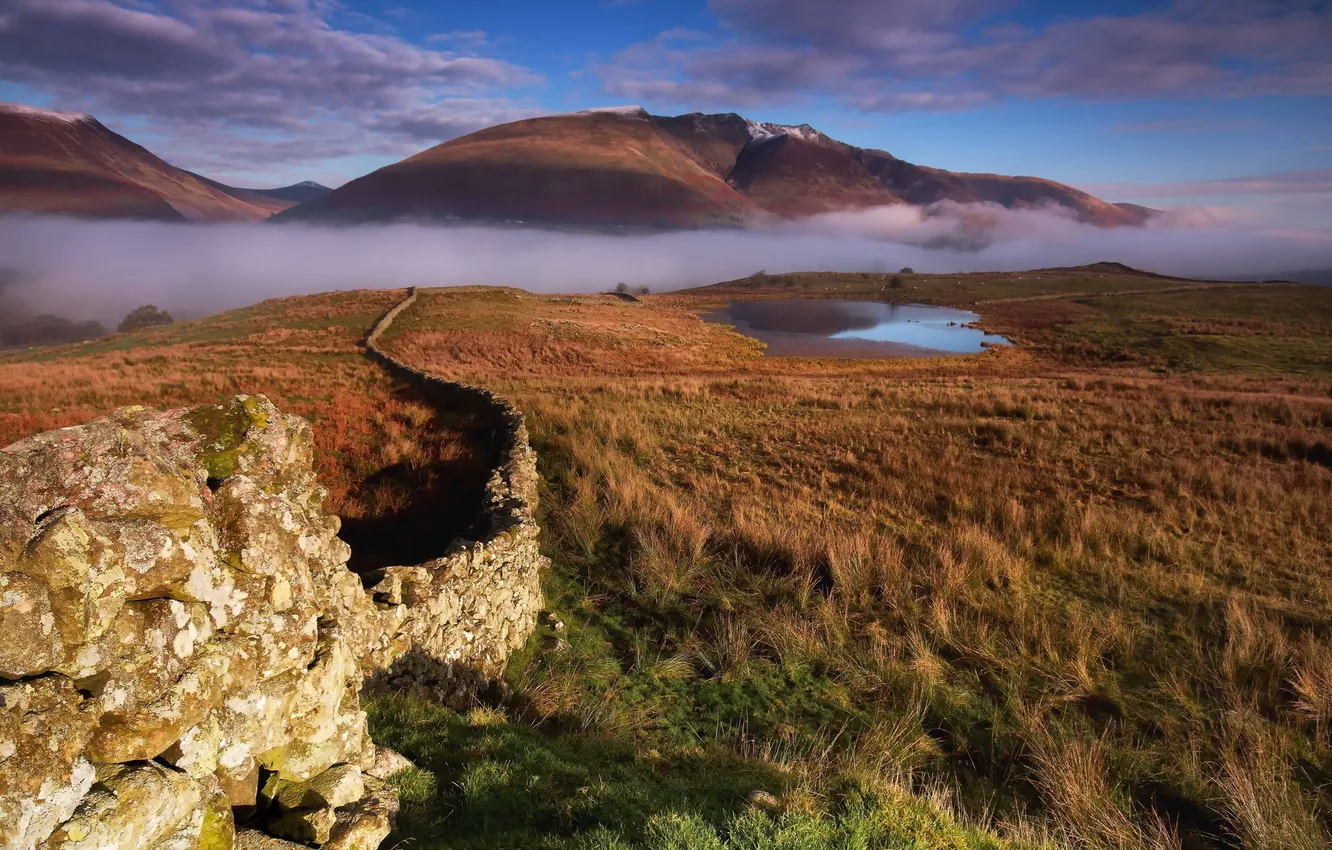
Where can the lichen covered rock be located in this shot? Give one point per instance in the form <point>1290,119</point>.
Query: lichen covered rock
<point>45,726</point>
<point>178,607</point>
<point>180,634</point>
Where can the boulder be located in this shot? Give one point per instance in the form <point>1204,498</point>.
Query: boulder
<point>366,823</point>
<point>253,839</point>
<point>388,763</point>
<point>339,785</point>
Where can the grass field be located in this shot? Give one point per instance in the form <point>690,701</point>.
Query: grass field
<point>1080,590</point>
<point>1077,592</point>
<point>373,453</point>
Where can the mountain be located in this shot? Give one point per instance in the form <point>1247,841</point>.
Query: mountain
<point>67,162</point>
<point>623,167</point>
<point>1139,210</point>
<point>602,168</point>
<point>278,199</point>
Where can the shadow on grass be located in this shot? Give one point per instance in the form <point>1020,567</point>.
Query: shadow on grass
<point>435,501</point>
<point>483,782</point>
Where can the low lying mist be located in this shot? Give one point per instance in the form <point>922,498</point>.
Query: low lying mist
<point>99,270</point>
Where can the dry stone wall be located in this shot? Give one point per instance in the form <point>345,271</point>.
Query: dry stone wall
<point>470,609</point>
<point>182,642</point>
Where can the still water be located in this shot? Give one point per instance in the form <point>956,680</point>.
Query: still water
<point>818,327</point>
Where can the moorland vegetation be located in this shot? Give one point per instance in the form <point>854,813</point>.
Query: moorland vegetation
<point>1081,587</point>
<point>1077,592</point>
<point>378,446</point>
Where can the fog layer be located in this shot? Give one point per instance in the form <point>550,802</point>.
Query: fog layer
<point>85,269</point>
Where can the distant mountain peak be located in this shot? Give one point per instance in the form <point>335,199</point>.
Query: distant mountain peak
<point>309,184</point>
<point>800,131</point>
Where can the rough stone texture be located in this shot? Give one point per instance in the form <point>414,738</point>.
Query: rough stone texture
<point>367,822</point>
<point>136,805</point>
<point>172,591</point>
<point>45,725</point>
<point>388,763</point>
<point>180,635</point>
<point>253,839</point>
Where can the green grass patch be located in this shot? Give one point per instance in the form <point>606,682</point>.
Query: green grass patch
<point>484,782</point>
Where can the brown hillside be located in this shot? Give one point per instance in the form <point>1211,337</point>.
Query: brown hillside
<point>1027,192</point>
<point>59,162</point>
<point>590,169</point>
<point>624,167</point>
<point>713,141</point>
<point>799,175</point>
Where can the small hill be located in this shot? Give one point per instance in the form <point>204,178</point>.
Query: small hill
<point>68,162</point>
<point>623,167</point>
<point>1110,268</point>
<point>276,200</point>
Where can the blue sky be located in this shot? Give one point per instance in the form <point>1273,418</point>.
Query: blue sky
<point>1216,102</point>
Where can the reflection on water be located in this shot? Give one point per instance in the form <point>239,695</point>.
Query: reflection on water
<point>824,327</point>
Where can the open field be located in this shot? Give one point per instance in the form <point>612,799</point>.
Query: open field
<point>1084,586</point>
<point>374,453</point>
<point>1076,592</point>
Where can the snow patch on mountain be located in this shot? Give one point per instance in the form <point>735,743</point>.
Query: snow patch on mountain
<point>760,132</point>
<point>45,114</point>
<point>804,131</point>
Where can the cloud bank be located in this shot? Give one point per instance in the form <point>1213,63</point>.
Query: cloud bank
<point>945,55</point>
<point>101,269</point>
<point>245,87</point>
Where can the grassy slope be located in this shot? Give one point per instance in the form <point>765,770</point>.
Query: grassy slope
<point>373,451</point>
<point>1085,583</point>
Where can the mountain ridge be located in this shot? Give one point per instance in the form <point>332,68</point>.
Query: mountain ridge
<point>625,167</point>
<point>70,163</point>
<point>609,167</point>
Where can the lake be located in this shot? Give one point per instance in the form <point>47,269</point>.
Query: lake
<point>819,327</point>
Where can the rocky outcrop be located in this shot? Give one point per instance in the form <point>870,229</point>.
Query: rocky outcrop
<point>180,636</point>
<point>181,641</point>
<point>180,633</point>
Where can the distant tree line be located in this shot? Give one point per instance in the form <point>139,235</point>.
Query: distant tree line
<point>49,329</point>
<point>46,329</point>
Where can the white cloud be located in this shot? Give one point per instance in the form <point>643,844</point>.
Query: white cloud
<point>272,74</point>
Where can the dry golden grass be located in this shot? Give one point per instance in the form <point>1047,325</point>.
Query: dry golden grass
<point>304,353</point>
<point>1084,584</point>
<point>1093,582</point>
